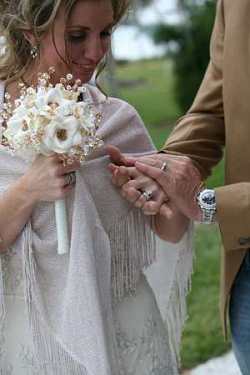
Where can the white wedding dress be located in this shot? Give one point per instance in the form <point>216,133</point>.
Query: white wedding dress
<point>141,334</point>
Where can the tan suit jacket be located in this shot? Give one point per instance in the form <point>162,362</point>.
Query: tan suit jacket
<point>220,116</point>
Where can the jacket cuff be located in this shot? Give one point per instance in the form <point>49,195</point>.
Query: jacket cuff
<point>233,215</point>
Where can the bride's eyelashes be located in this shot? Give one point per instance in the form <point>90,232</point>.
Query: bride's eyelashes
<point>80,36</point>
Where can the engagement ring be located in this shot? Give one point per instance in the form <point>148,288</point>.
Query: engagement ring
<point>147,195</point>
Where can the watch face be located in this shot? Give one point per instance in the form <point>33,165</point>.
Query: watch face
<point>207,198</point>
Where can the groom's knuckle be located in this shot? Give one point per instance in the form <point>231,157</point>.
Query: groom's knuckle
<point>154,162</point>
<point>160,175</point>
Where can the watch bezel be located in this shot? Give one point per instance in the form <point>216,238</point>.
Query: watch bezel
<point>204,204</point>
<point>208,210</point>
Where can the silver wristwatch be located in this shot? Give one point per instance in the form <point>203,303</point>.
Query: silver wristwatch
<point>207,204</point>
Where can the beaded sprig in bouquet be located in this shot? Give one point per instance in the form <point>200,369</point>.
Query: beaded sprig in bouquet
<point>52,119</point>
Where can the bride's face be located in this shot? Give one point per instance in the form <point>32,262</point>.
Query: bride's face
<point>79,43</point>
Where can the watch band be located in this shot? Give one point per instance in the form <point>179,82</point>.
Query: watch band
<point>207,204</point>
<point>208,216</point>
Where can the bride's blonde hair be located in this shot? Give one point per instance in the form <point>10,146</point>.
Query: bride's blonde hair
<point>18,16</point>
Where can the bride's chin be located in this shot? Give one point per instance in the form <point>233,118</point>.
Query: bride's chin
<point>83,76</point>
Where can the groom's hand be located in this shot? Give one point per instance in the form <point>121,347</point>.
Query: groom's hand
<point>179,179</point>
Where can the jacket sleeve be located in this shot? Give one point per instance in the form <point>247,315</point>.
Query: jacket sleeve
<point>200,134</point>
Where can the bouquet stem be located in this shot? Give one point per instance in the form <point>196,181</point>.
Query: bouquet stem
<point>62,227</point>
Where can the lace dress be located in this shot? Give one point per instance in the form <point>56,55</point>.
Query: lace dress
<point>141,334</point>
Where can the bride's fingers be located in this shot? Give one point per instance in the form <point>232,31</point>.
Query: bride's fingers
<point>131,194</point>
<point>135,196</point>
<point>120,175</point>
<point>143,183</point>
<point>152,207</point>
<point>132,172</point>
<point>150,194</point>
<point>149,191</point>
<point>148,186</point>
<point>112,167</point>
<point>117,157</point>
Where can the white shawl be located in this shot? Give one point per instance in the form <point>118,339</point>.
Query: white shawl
<point>70,298</point>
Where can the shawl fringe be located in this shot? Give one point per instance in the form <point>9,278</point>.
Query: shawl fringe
<point>177,305</point>
<point>53,358</point>
<point>133,247</point>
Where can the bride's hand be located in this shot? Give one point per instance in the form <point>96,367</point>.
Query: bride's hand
<point>46,179</point>
<point>142,191</point>
<point>145,193</point>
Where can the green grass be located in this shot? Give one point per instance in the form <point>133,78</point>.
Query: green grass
<point>153,97</point>
<point>154,100</point>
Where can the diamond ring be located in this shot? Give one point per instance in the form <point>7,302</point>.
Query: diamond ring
<point>147,195</point>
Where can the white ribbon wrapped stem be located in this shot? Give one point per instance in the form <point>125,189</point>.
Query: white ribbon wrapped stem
<point>62,227</point>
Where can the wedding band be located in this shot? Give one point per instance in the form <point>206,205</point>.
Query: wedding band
<point>70,178</point>
<point>147,195</point>
<point>164,167</point>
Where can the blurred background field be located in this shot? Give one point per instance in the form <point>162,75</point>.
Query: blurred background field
<point>149,86</point>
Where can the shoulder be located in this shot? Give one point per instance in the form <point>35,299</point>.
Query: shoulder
<point>121,125</point>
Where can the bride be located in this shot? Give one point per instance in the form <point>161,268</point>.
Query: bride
<point>97,309</point>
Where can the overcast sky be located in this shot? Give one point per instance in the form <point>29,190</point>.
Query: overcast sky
<point>128,43</point>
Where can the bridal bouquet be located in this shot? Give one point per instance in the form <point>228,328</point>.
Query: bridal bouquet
<point>52,119</point>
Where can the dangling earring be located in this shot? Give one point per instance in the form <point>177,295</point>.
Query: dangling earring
<point>34,52</point>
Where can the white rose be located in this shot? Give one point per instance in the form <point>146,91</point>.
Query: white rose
<point>17,126</point>
<point>54,99</point>
<point>62,134</point>
<point>23,128</point>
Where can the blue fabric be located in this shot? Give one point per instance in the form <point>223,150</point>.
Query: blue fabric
<point>239,314</point>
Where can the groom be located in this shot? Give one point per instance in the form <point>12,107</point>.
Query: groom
<point>219,116</point>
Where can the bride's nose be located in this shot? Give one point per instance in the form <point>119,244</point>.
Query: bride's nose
<point>94,49</point>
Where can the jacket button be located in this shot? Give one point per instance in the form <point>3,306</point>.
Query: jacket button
<point>244,240</point>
